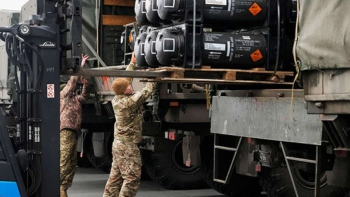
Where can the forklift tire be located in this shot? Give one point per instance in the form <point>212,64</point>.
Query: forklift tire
<point>166,169</point>
<point>277,183</point>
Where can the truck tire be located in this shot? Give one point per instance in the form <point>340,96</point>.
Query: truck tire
<point>108,142</point>
<point>277,183</point>
<point>166,169</point>
<point>83,162</point>
<point>239,185</point>
<point>102,163</point>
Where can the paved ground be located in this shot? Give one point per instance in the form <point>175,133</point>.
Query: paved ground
<point>90,182</point>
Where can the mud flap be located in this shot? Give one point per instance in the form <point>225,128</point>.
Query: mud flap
<point>191,150</point>
<point>341,167</point>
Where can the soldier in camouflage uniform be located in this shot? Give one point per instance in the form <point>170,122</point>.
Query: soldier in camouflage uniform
<point>70,121</point>
<point>125,176</point>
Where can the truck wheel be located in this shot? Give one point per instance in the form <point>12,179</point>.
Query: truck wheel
<point>102,163</point>
<point>83,162</point>
<point>277,183</point>
<point>106,165</point>
<point>239,185</point>
<point>167,169</point>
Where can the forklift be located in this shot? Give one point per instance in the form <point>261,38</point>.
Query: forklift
<point>29,150</point>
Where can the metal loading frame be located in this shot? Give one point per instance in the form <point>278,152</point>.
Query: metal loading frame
<point>317,163</point>
<point>230,170</point>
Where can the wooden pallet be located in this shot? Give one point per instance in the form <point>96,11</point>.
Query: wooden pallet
<point>203,75</point>
<point>225,76</point>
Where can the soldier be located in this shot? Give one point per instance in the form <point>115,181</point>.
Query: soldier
<point>70,121</point>
<point>125,176</point>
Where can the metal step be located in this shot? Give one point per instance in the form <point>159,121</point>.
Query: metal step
<point>301,160</point>
<point>229,172</point>
<point>225,148</point>
<point>317,168</point>
<point>220,181</point>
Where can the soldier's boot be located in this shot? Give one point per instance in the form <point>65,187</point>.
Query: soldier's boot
<point>63,192</point>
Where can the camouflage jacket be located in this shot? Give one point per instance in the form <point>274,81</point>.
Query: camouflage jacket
<point>70,105</point>
<point>128,113</point>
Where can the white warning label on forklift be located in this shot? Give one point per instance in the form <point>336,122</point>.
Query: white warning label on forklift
<point>216,2</point>
<point>50,90</point>
<point>214,47</point>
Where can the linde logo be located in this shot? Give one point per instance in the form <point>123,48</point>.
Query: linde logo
<point>48,44</point>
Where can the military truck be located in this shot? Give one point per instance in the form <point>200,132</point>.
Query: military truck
<point>263,137</point>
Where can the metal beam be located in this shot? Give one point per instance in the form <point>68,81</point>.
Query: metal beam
<point>301,160</point>
<point>230,170</point>
<point>318,171</point>
<point>94,52</point>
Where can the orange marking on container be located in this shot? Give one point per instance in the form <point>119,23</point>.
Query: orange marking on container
<point>256,55</point>
<point>255,9</point>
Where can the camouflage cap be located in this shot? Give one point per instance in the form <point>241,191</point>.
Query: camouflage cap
<point>119,86</point>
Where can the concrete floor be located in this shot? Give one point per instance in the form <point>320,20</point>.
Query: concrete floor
<point>90,182</point>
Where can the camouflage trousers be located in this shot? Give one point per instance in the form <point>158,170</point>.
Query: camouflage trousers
<point>68,157</point>
<point>125,176</point>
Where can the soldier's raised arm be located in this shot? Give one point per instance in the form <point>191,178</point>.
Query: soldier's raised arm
<point>140,97</point>
<point>72,83</point>
<point>70,87</point>
<point>131,66</point>
<point>84,94</point>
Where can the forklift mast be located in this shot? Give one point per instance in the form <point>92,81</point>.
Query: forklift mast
<point>39,50</point>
